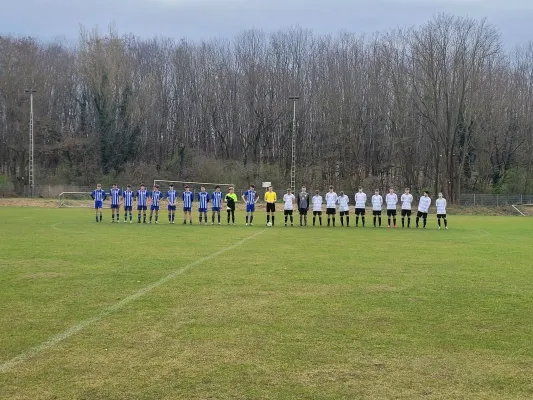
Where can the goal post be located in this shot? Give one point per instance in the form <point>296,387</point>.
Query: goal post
<point>75,199</point>
<point>525,210</point>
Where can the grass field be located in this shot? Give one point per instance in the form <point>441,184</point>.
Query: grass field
<point>108,311</point>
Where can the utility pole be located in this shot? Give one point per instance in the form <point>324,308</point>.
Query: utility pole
<point>293,142</point>
<point>31,171</point>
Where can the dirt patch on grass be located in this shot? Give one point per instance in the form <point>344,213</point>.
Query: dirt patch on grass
<point>41,275</point>
<point>17,202</point>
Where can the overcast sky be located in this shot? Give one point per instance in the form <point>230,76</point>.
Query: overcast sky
<point>197,19</point>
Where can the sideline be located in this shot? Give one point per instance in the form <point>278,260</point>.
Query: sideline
<point>55,340</point>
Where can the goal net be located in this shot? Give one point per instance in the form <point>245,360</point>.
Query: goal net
<point>76,199</point>
<point>195,187</point>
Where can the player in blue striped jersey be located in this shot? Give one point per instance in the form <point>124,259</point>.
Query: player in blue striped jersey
<point>115,194</point>
<point>171,200</point>
<point>250,198</point>
<point>98,195</point>
<point>128,197</point>
<point>216,204</point>
<point>142,202</point>
<point>203,200</point>
<point>155,197</point>
<point>187,196</point>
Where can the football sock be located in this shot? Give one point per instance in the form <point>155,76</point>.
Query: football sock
<point>96,217</point>
<point>357,220</point>
<point>333,221</point>
<point>144,217</point>
<point>363,220</point>
<point>417,219</point>
<point>100,217</point>
<point>408,222</point>
<point>347,221</point>
<point>305,220</point>
<point>438,221</point>
<point>150,217</point>
<point>388,219</point>
<point>251,219</point>
<point>118,216</point>
<point>342,220</point>
<point>314,219</point>
<point>425,221</point>
<point>219,217</point>
<point>394,220</point>
<point>268,219</point>
<point>301,217</point>
<point>169,217</point>
<point>272,220</point>
<point>320,220</point>
<point>375,221</point>
<point>229,213</point>
<point>156,217</point>
<point>286,217</point>
<point>131,216</point>
<point>445,223</point>
<point>247,219</point>
<point>329,221</point>
<point>403,222</point>
<point>292,219</point>
<point>233,216</point>
<point>200,218</point>
<point>112,217</point>
<point>379,219</point>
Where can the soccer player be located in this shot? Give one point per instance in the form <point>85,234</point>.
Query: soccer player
<point>344,209</point>
<point>317,207</point>
<point>98,195</point>
<point>231,200</point>
<point>142,201</point>
<point>377,204</point>
<point>289,201</point>
<point>156,197</point>
<point>115,194</point>
<point>171,200</point>
<point>423,208</point>
<point>270,198</point>
<point>203,199</point>
<point>391,200</point>
<point>407,200</point>
<point>216,204</point>
<point>331,204</point>
<point>250,198</point>
<point>303,205</point>
<point>360,207</point>
<point>441,210</point>
<point>187,197</point>
<point>128,197</point>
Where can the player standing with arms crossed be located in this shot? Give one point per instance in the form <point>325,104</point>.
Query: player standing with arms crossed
<point>231,200</point>
<point>171,200</point>
<point>331,205</point>
<point>317,207</point>
<point>377,204</point>
<point>115,194</point>
<point>187,197</point>
<point>128,197</point>
<point>360,207</point>
<point>344,209</point>
<point>156,197</point>
<point>423,208</point>
<point>391,200</point>
<point>270,198</point>
<point>98,195</point>
<point>142,201</point>
<point>288,209</point>
<point>250,198</point>
<point>216,204</point>
<point>441,210</point>
<point>203,199</point>
<point>303,205</point>
<point>407,200</point>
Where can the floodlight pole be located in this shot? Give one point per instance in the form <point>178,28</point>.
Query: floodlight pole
<point>31,171</point>
<point>293,143</point>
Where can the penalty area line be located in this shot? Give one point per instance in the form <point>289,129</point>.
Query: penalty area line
<point>55,340</point>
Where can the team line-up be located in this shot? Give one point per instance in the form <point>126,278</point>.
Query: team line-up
<point>303,201</point>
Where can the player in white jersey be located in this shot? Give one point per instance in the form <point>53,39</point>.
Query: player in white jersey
<point>407,200</point>
<point>331,204</point>
<point>423,208</point>
<point>317,207</point>
<point>289,199</point>
<point>441,210</point>
<point>344,209</point>
<point>391,200</point>
<point>377,204</point>
<point>360,207</point>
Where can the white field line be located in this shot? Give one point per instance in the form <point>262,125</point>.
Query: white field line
<point>55,340</point>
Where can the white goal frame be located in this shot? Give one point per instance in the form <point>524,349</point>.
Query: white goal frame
<point>515,206</point>
<point>61,201</point>
<point>156,181</point>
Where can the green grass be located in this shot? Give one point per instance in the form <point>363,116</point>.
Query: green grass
<point>298,313</point>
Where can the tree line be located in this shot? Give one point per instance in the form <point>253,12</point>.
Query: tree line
<point>442,107</point>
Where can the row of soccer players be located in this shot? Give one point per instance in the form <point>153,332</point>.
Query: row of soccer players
<point>302,200</point>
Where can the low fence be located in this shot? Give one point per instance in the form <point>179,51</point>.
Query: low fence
<point>494,200</point>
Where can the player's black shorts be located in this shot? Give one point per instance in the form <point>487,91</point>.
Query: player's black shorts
<point>343,213</point>
<point>331,211</point>
<point>303,211</point>
<point>406,212</point>
<point>376,212</point>
<point>441,216</point>
<point>317,212</point>
<point>391,213</point>
<point>360,211</point>
<point>271,207</point>
<point>421,214</point>
<point>287,212</point>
